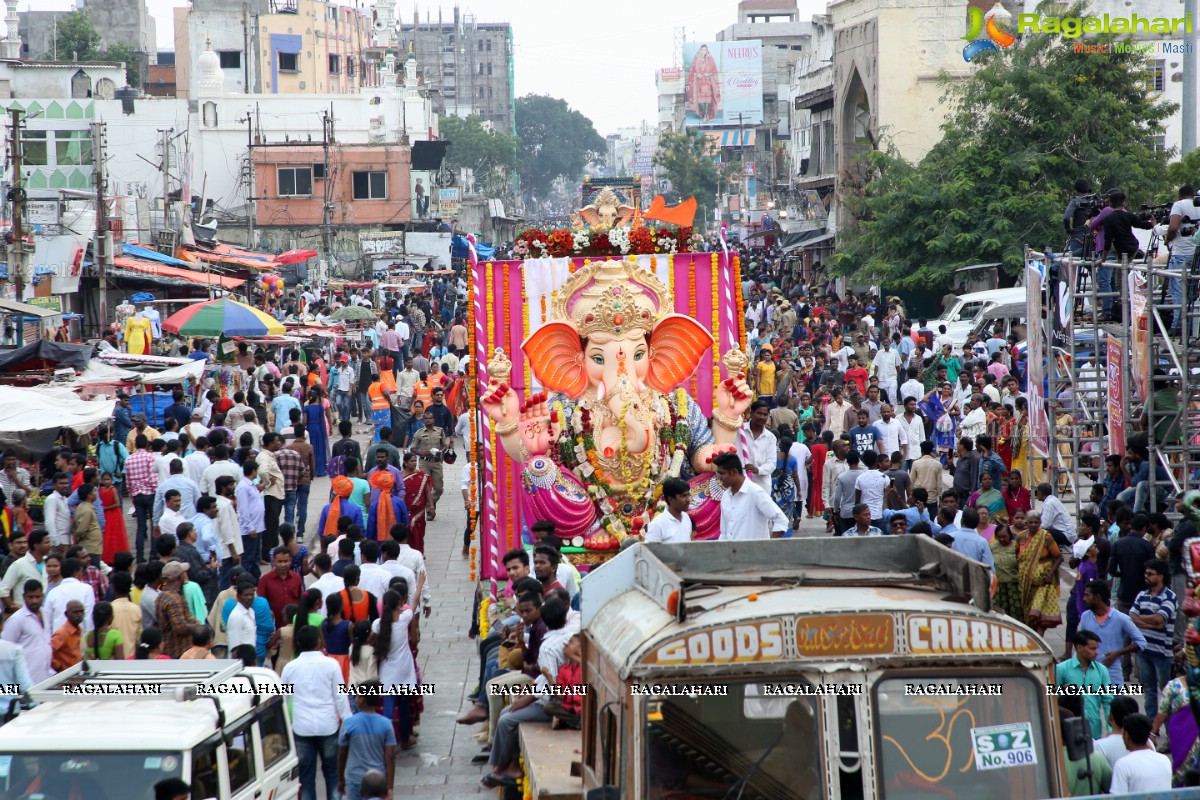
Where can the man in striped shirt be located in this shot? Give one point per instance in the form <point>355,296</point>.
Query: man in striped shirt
<point>142,479</point>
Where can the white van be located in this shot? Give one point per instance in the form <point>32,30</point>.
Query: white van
<point>967,311</point>
<point>111,730</point>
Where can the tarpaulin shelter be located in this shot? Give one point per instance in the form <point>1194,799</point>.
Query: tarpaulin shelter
<point>31,419</point>
<point>46,354</point>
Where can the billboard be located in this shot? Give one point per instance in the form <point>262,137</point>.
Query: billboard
<point>722,83</point>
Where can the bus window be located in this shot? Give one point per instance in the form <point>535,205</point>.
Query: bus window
<point>981,737</point>
<point>849,758</point>
<point>760,742</point>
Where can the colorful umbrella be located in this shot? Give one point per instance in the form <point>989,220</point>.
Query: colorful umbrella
<point>295,256</point>
<point>223,317</point>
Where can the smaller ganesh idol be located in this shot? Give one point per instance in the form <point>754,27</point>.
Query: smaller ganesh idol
<point>614,421</point>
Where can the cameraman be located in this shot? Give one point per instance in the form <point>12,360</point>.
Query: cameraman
<point>1075,220</point>
<point>1183,247</point>
<point>1118,228</point>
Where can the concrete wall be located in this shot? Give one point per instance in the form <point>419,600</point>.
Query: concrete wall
<point>126,22</point>
<point>344,161</point>
<point>451,57</point>
<point>36,29</point>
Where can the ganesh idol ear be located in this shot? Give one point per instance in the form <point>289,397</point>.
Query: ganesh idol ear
<point>590,216</point>
<point>677,344</point>
<point>555,354</point>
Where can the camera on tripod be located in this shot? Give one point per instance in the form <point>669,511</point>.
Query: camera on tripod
<point>1159,215</point>
<point>1091,204</point>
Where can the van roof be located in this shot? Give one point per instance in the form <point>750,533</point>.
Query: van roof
<point>1009,295</point>
<point>144,722</point>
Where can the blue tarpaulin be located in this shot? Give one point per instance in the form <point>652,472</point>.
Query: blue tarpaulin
<point>458,248</point>
<point>136,251</point>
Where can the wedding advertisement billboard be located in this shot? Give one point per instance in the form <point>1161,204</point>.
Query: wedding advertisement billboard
<point>723,83</point>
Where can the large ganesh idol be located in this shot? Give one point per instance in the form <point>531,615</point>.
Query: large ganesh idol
<point>613,423</point>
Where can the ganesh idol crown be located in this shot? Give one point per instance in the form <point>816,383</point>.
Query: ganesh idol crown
<point>614,420</point>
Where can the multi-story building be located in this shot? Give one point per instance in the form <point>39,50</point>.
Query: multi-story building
<point>467,65</point>
<point>814,157</point>
<point>116,21</point>
<point>295,46</point>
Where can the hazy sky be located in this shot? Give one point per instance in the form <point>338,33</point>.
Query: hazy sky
<point>600,56</point>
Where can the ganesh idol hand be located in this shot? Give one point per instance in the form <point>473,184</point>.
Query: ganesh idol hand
<point>501,404</point>
<point>734,396</point>
<point>537,426</point>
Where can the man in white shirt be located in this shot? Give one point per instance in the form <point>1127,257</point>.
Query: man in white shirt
<point>223,466</point>
<point>942,339</point>
<point>326,583</point>
<point>1113,746</point>
<point>870,485</point>
<point>242,625</point>
<point>411,558</point>
<point>674,524</point>
<point>757,446</point>
<point>194,464</point>
<point>974,422</point>
<point>249,425</point>
<point>912,387</point>
<point>1144,769</point>
<point>887,368</point>
<point>70,588</point>
<point>1054,514</point>
<point>390,552</point>
<point>747,512</point>
<point>406,381</point>
<point>319,706</point>
<point>894,433</point>
<point>57,514</point>
<point>374,578</point>
<point>843,357</point>
<point>171,516</point>
<point>195,429</point>
<point>914,431</point>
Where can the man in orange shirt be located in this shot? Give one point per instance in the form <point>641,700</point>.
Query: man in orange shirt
<point>66,641</point>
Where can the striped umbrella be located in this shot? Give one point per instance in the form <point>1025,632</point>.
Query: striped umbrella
<point>223,317</point>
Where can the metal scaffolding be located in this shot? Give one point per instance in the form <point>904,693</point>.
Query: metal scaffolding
<point>1170,373</point>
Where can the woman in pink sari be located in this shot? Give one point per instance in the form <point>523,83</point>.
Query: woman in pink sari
<point>418,491</point>
<point>704,86</point>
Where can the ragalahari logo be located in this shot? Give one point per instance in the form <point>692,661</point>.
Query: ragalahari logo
<point>978,24</point>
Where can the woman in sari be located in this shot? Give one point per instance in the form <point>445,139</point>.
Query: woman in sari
<point>418,491</point>
<point>317,418</point>
<point>989,498</point>
<point>1183,734</point>
<point>1008,438</point>
<point>1038,562</point>
<point>1008,589</point>
<point>987,525</point>
<point>385,510</point>
<point>940,406</point>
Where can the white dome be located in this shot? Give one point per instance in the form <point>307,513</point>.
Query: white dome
<point>211,77</point>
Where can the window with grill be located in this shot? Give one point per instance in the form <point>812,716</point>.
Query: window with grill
<point>335,64</point>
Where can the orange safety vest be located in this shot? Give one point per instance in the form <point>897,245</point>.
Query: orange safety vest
<point>423,392</point>
<point>378,399</point>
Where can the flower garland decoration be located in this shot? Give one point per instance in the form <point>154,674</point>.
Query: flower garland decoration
<point>514,536</point>
<point>490,344</point>
<point>670,274</point>
<point>523,783</point>
<point>716,327</point>
<point>524,333</point>
<point>691,273</point>
<point>484,605</point>
<point>543,309</point>
<point>639,240</point>
<point>741,301</point>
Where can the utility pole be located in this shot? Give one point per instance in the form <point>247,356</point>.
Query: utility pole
<point>16,250</point>
<point>166,175</point>
<point>327,196</point>
<point>249,175</point>
<point>102,247</point>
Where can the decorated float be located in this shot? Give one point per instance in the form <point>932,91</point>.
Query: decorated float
<point>606,360</point>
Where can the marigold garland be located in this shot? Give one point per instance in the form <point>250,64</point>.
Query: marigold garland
<point>691,273</point>
<point>484,605</point>
<point>741,301</point>
<point>716,328</point>
<point>514,536</point>
<point>642,240</point>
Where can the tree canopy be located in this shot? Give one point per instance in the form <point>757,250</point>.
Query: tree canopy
<point>1031,120</point>
<point>688,162</point>
<point>491,154</point>
<point>77,40</point>
<point>555,140</point>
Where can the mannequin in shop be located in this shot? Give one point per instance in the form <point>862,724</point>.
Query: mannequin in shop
<point>121,315</point>
<point>151,313</point>
<point>138,334</point>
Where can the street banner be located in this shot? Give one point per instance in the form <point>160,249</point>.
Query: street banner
<point>1039,432</point>
<point>1116,397</point>
<point>1139,300</point>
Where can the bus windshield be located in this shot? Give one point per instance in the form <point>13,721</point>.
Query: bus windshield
<point>980,737</point>
<point>95,776</point>
<point>753,742</point>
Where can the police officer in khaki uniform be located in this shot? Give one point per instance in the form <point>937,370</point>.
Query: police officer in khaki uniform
<point>429,443</point>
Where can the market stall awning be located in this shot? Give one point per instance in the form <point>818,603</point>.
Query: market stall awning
<point>30,419</point>
<point>46,354</point>
<point>735,138</point>
<point>146,254</point>
<point>101,373</point>
<point>804,240</point>
<point>165,271</point>
<point>224,255</point>
<point>13,307</point>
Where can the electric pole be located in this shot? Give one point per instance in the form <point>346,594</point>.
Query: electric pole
<point>249,178</point>
<point>102,247</point>
<point>166,175</point>
<point>327,196</point>
<point>16,250</point>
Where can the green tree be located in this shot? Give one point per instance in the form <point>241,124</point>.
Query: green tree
<point>1027,123</point>
<point>687,159</point>
<point>491,154</point>
<point>1185,170</point>
<point>76,37</point>
<point>124,52</point>
<point>555,140</point>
